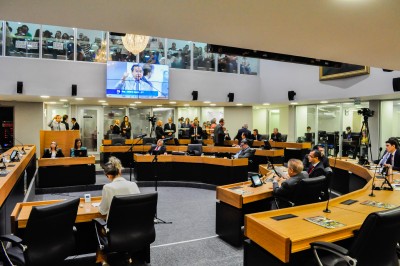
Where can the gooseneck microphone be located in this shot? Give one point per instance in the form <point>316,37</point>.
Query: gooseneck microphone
<point>379,154</point>
<point>23,149</point>
<point>327,210</point>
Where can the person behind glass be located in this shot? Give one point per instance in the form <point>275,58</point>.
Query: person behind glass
<point>316,166</point>
<point>195,133</point>
<point>77,146</point>
<point>276,136</point>
<point>75,125</point>
<point>324,159</point>
<point>126,127</point>
<point>245,150</point>
<point>116,127</point>
<point>255,135</point>
<point>65,122</point>
<point>160,134</point>
<point>219,134</point>
<point>347,134</point>
<point>391,157</point>
<point>170,128</point>
<point>53,152</point>
<point>56,124</point>
<point>158,149</point>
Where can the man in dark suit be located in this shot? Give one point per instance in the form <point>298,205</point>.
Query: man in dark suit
<point>158,149</point>
<point>287,187</point>
<point>276,136</point>
<point>324,160</point>
<point>116,127</point>
<point>219,133</point>
<point>391,157</point>
<point>242,131</point>
<point>159,130</point>
<point>316,167</point>
<point>75,125</point>
<point>245,150</point>
<point>195,133</point>
<point>255,135</point>
<point>170,128</point>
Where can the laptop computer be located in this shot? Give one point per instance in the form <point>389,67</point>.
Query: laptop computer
<point>80,153</point>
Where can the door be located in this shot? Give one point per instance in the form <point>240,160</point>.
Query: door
<point>91,128</point>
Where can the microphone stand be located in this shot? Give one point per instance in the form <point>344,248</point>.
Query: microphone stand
<point>373,179</point>
<point>327,210</point>
<point>155,167</point>
<point>386,181</point>
<point>132,160</point>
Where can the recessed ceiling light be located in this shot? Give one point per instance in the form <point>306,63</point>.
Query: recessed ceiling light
<point>212,104</point>
<point>293,103</point>
<point>159,105</point>
<point>398,103</point>
<point>186,104</point>
<point>348,103</point>
<point>63,100</point>
<point>172,102</point>
<point>104,104</point>
<point>239,104</point>
<point>51,102</point>
<point>138,102</point>
<point>206,102</point>
<point>79,99</point>
<point>102,101</point>
<point>323,102</point>
<point>121,108</point>
<point>132,104</point>
<point>265,103</point>
<point>44,96</point>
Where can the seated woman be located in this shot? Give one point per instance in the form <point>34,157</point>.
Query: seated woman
<point>77,146</point>
<point>53,152</point>
<point>118,185</point>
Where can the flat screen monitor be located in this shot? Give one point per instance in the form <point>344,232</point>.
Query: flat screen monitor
<point>80,153</point>
<point>267,145</point>
<point>137,80</point>
<point>118,141</point>
<point>256,181</point>
<point>14,156</point>
<point>308,137</point>
<point>195,149</point>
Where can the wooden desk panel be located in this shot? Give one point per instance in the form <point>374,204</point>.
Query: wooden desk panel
<point>351,166</point>
<point>65,139</point>
<point>292,145</point>
<point>65,161</point>
<point>8,182</point>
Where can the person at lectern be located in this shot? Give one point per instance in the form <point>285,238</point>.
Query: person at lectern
<point>133,81</point>
<point>158,149</point>
<point>53,152</point>
<point>287,187</point>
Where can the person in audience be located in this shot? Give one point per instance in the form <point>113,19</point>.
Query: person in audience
<point>241,131</point>
<point>324,159</point>
<point>287,187</point>
<point>77,146</point>
<point>255,135</point>
<point>185,128</point>
<point>245,150</point>
<point>53,152</point>
<point>347,134</point>
<point>195,133</point>
<point>65,36</point>
<point>364,137</point>
<point>172,51</point>
<point>170,128</point>
<point>160,134</point>
<point>147,71</point>
<point>110,131</point>
<point>126,128</point>
<point>316,167</point>
<point>245,66</point>
<point>391,157</point>
<point>158,149</point>
<point>308,129</point>
<point>65,122</point>
<point>75,125</point>
<point>219,133</point>
<point>276,136</point>
<point>56,124</point>
<point>116,127</point>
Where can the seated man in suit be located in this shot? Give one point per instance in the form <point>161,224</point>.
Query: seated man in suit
<point>391,157</point>
<point>287,187</point>
<point>158,149</point>
<point>316,167</point>
<point>195,133</point>
<point>242,131</point>
<point>245,150</point>
<point>255,135</point>
<point>276,136</point>
<point>324,160</point>
<point>53,152</point>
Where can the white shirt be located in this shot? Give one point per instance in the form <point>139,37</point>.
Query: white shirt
<point>119,186</point>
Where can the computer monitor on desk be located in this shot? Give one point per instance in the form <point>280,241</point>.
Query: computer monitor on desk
<point>118,140</point>
<point>80,153</point>
<point>308,137</point>
<point>195,149</point>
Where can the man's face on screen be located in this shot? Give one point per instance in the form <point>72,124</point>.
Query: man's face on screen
<point>137,73</point>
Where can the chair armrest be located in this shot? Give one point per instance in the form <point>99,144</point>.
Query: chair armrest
<point>99,221</point>
<point>287,203</point>
<point>329,247</point>
<point>11,238</point>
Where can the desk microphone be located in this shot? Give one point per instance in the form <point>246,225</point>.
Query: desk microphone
<point>373,182</point>
<point>167,139</point>
<point>379,155</point>
<point>141,136</point>
<point>23,150</point>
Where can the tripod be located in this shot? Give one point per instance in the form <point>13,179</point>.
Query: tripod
<point>155,165</point>
<point>368,144</point>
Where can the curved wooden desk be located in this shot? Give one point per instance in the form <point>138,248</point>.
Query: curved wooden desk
<point>277,242</point>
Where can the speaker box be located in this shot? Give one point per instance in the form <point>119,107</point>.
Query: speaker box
<point>74,90</point>
<point>291,95</point>
<point>396,84</point>
<point>20,86</point>
<point>195,95</point>
<point>231,97</point>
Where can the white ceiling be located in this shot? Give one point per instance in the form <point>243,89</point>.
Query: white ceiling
<point>364,32</point>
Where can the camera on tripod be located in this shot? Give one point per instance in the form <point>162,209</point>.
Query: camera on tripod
<point>152,119</point>
<point>366,112</point>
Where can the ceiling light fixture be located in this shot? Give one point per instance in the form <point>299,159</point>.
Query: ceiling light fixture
<point>135,43</point>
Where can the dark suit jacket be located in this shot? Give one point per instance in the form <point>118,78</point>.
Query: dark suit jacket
<point>277,137</point>
<point>241,131</point>
<point>306,163</point>
<point>160,151</point>
<point>257,137</point>
<point>287,187</point>
<point>47,153</point>
<point>396,163</point>
<point>167,127</point>
<point>116,129</point>
<point>317,171</point>
<point>199,132</point>
<point>247,153</point>
<point>219,135</point>
<point>66,125</point>
<point>75,127</point>
<point>159,132</point>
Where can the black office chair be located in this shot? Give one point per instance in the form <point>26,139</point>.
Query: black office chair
<point>283,137</point>
<point>49,236</point>
<point>252,166</point>
<point>195,149</point>
<point>308,190</point>
<point>375,243</point>
<point>130,225</point>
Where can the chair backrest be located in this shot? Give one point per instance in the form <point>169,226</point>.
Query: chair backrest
<point>377,239</point>
<point>195,149</point>
<point>131,222</point>
<point>284,137</point>
<point>49,233</point>
<point>309,190</point>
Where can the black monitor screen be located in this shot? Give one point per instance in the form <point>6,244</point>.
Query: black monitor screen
<point>256,181</point>
<point>13,155</point>
<point>118,141</point>
<point>267,145</point>
<point>80,153</point>
<point>195,149</point>
<point>308,137</point>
